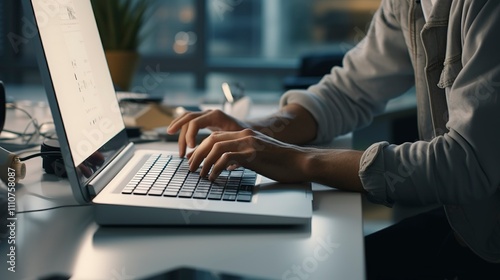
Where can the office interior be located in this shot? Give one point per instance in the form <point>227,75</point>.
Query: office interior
<point>193,46</point>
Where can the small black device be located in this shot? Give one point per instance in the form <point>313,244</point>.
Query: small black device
<point>53,164</point>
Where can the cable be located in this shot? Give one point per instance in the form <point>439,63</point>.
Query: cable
<point>39,155</point>
<point>33,121</point>
<point>46,135</point>
<point>19,134</point>
<point>31,133</point>
<point>53,208</point>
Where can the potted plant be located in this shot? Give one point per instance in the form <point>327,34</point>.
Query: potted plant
<point>121,28</point>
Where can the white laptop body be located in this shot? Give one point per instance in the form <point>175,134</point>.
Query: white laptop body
<point>98,157</point>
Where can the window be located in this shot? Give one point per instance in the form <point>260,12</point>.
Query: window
<point>201,43</point>
<point>258,42</point>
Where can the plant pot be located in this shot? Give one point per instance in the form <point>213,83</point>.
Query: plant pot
<point>122,66</point>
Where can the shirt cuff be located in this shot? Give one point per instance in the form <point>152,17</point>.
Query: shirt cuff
<point>315,107</point>
<point>372,174</point>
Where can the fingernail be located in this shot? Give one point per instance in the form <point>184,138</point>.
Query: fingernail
<point>212,177</point>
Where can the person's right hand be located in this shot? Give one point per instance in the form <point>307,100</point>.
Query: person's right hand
<point>191,122</point>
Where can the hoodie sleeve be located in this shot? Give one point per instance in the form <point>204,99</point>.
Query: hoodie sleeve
<point>376,70</point>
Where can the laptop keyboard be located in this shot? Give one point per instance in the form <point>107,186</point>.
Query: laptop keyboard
<point>168,176</point>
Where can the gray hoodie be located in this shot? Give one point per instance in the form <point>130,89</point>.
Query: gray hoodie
<point>453,61</point>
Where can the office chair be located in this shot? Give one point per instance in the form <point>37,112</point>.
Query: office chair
<point>313,67</point>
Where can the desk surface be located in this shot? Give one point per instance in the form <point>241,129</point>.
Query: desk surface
<point>67,241</point>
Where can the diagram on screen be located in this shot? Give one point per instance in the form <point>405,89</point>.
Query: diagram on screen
<point>67,11</point>
<point>82,70</point>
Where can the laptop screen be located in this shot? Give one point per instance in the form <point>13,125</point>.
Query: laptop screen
<point>78,84</point>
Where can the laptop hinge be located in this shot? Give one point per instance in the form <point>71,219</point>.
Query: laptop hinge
<point>102,179</point>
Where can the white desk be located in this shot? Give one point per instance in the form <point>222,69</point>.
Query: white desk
<point>67,241</point>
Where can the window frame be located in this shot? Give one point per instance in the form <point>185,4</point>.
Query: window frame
<point>206,65</point>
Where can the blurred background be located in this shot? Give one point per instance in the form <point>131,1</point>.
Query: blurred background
<point>202,43</point>
<point>193,46</point>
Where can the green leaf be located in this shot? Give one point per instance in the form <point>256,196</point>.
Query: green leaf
<point>121,22</point>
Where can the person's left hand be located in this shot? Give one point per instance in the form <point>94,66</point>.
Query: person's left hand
<point>250,149</point>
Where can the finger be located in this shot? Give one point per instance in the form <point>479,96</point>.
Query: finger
<point>207,145</point>
<point>187,136</point>
<point>189,155</point>
<point>96,159</point>
<point>197,156</point>
<point>182,140</point>
<point>195,125</point>
<point>219,150</point>
<point>179,122</point>
<point>233,167</point>
<point>190,135</point>
<point>226,160</point>
<point>86,171</point>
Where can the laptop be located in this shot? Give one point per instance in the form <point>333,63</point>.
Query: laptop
<point>126,185</point>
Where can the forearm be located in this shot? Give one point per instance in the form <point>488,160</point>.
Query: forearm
<point>292,124</point>
<point>335,168</point>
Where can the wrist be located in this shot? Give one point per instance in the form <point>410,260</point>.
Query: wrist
<point>314,165</point>
<point>335,168</point>
<point>292,124</point>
